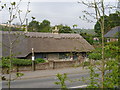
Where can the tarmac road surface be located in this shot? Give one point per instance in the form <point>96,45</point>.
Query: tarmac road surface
<point>48,82</point>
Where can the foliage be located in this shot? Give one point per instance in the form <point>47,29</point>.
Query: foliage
<point>6,28</point>
<point>111,51</point>
<point>75,25</point>
<point>87,31</point>
<point>4,62</point>
<point>19,62</point>
<point>13,10</point>
<point>96,54</point>
<point>88,37</point>
<point>88,34</point>
<point>19,74</point>
<point>36,26</point>
<point>104,23</point>
<point>86,63</point>
<point>15,62</point>
<point>97,25</point>
<point>111,68</point>
<point>64,29</point>
<point>62,78</point>
<point>112,74</point>
<point>40,60</point>
<point>45,26</point>
<point>110,21</point>
<point>3,78</point>
<point>93,78</point>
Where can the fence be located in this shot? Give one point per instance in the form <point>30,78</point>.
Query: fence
<point>44,66</point>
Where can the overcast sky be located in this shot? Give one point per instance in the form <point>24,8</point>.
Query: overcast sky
<point>55,0</point>
<point>64,12</point>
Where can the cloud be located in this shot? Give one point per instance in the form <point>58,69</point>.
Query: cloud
<point>66,13</point>
<point>57,13</point>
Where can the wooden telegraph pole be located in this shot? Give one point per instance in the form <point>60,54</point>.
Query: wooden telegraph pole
<point>33,60</point>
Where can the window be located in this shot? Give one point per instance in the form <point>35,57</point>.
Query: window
<point>41,55</point>
<point>64,56</point>
<point>75,57</point>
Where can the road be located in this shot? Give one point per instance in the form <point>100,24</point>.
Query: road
<point>47,82</point>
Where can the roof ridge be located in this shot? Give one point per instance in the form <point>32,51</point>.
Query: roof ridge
<point>42,32</point>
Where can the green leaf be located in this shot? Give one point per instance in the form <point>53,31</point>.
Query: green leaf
<point>2,7</point>
<point>19,74</point>
<point>14,3</point>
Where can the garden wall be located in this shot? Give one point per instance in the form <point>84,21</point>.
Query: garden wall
<point>44,66</point>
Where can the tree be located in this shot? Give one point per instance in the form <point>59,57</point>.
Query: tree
<point>34,26</point>
<point>14,12</point>
<point>97,27</point>
<point>111,51</point>
<point>64,29</point>
<point>62,78</point>
<point>87,37</point>
<point>110,21</point>
<point>75,25</point>
<point>114,19</point>
<point>99,8</point>
<point>45,26</point>
<point>111,61</point>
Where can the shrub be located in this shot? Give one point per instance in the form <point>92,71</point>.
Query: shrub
<point>110,51</point>
<point>5,62</point>
<point>95,56</point>
<point>40,60</point>
<point>86,63</point>
<point>21,62</point>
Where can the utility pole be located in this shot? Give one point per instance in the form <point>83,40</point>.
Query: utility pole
<point>33,60</point>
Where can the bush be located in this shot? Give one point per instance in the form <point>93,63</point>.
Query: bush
<point>21,62</point>
<point>86,63</point>
<point>40,60</point>
<point>95,56</point>
<point>5,62</point>
<point>110,51</point>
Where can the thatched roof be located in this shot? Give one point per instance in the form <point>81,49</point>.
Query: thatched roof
<point>114,32</point>
<point>44,42</point>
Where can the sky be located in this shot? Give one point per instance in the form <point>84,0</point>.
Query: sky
<point>55,0</point>
<point>66,12</point>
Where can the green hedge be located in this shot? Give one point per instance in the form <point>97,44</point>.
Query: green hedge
<point>40,60</point>
<point>5,62</point>
<point>21,62</point>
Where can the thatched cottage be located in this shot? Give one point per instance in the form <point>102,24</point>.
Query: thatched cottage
<point>49,46</point>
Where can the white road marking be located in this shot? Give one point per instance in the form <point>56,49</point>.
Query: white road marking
<point>82,86</point>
